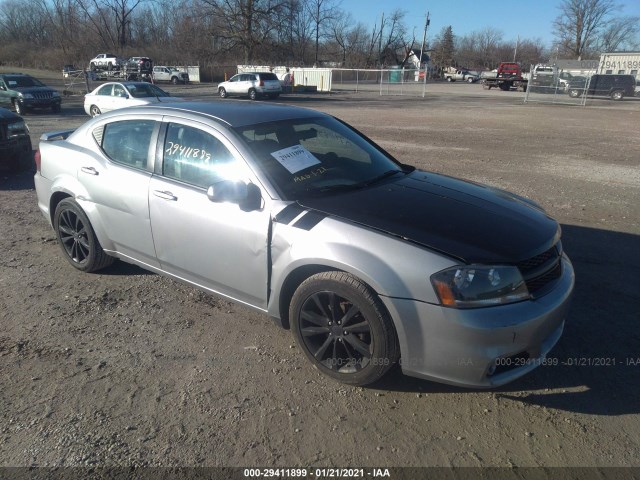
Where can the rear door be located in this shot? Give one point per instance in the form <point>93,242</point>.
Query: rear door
<point>116,178</point>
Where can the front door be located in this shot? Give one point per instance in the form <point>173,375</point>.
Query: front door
<point>215,245</point>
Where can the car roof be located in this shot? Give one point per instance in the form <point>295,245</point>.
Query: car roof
<point>236,113</point>
<point>126,84</point>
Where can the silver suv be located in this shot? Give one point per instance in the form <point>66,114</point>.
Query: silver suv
<point>253,85</point>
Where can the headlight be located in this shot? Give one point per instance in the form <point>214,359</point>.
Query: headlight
<point>17,128</point>
<point>25,95</point>
<point>479,286</point>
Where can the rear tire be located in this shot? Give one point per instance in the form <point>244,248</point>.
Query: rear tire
<point>94,111</point>
<point>77,239</point>
<point>222,92</point>
<point>617,95</point>
<point>573,93</point>
<point>449,79</point>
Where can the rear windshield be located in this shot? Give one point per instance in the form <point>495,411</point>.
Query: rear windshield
<point>268,76</point>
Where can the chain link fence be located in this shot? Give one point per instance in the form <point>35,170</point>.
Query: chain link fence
<point>394,81</point>
<point>557,87</point>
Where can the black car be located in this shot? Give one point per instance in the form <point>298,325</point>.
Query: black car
<point>615,86</point>
<point>15,143</point>
<point>22,92</point>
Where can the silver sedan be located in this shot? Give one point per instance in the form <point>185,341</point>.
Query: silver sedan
<point>294,213</point>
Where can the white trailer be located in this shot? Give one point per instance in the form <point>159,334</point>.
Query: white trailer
<point>621,63</point>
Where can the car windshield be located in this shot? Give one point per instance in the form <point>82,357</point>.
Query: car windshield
<point>142,90</point>
<point>319,156</point>
<point>20,81</point>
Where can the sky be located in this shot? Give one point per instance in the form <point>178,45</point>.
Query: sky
<point>531,19</point>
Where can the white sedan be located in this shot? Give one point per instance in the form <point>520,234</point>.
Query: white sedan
<point>114,95</point>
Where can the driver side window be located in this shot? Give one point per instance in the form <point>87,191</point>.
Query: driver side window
<point>196,157</point>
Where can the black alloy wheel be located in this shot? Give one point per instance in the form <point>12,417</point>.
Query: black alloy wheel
<point>77,238</point>
<point>343,328</point>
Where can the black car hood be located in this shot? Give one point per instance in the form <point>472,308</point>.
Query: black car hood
<point>8,115</point>
<point>474,223</point>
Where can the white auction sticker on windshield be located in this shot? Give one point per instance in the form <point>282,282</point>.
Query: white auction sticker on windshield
<point>295,158</point>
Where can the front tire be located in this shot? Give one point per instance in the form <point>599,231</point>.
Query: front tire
<point>77,239</point>
<point>573,93</point>
<point>343,328</point>
<point>222,92</point>
<point>253,94</point>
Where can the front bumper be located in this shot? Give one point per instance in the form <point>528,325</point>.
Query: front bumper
<point>32,103</point>
<point>14,150</point>
<point>482,347</point>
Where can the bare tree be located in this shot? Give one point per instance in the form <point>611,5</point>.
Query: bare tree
<point>579,23</point>
<point>245,24</point>
<point>321,13</point>
<point>620,32</point>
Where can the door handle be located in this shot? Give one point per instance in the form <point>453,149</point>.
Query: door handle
<point>165,195</point>
<point>90,170</point>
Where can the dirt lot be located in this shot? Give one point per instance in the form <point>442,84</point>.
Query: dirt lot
<point>127,368</point>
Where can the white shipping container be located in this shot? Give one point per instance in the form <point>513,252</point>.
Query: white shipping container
<point>622,63</point>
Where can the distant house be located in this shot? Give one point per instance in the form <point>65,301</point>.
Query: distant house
<point>414,60</point>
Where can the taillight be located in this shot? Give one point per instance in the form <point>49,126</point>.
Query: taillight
<point>38,160</point>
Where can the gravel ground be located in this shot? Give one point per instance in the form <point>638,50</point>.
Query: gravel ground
<point>126,368</point>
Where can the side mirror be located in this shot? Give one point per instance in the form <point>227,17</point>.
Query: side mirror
<point>247,196</point>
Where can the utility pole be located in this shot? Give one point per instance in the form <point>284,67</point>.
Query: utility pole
<point>380,39</point>
<point>424,40</point>
<point>515,52</point>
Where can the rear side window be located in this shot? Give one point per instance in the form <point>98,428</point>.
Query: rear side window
<point>126,142</point>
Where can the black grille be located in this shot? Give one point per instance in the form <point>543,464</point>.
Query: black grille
<point>43,95</point>
<point>542,270</point>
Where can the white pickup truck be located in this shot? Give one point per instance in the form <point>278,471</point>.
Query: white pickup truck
<point>105,61</point>
<point>170,74</point>
<point>462,75</point>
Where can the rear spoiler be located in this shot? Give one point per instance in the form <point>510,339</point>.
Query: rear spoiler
<point>51,136</point>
